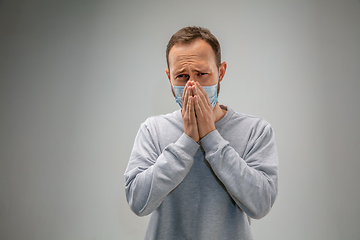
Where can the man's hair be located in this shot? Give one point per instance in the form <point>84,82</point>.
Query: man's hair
<point>188,35</point>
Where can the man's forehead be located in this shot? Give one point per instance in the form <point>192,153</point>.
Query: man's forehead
<point>184,57</point>
<point>198,45</point>
<point>199,51</point>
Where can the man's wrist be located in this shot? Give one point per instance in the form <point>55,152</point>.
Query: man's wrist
<point>188,144</point>
<point>207,132</point>
<point>212,141</point>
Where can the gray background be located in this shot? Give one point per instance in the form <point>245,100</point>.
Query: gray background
<point>78,77</point>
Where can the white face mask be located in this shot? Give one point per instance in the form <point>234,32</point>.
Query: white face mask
<point>210,90</point>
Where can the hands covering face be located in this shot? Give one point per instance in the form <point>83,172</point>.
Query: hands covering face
<point>197,112</point>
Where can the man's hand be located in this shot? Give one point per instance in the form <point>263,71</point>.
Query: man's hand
<point>204,111</point>
<point>188,112</point>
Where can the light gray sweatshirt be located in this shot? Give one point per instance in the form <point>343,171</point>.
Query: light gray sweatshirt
<point>206,190</point>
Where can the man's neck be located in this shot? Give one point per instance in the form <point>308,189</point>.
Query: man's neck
<point>219,112</point>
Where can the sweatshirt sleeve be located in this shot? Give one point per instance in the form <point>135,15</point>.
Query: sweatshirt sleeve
<point>252,182</point>
<point>151,174</point>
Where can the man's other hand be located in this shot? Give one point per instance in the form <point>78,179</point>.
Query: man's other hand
<point>204,111</point>
<point>188,112</point>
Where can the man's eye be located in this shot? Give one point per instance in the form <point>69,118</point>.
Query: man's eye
<point>202,74</point>
<point>182,76</point>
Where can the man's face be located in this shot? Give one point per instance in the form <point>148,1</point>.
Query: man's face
<point>194,61</point>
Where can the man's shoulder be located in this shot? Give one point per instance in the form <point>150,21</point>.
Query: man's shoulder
<point>164,128</point>
<point>248,120</point>
<point>246,124</point>
<point>164,118</point>
<point>250,127</point>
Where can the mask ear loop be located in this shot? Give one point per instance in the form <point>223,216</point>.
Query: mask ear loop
<point>218,84</point>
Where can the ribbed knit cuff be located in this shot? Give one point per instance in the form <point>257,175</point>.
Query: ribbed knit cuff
<point>212,141</point>
<point>187,144</point>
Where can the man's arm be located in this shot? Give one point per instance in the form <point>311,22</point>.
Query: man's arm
<point>151,175</point>
<point>253,181</point>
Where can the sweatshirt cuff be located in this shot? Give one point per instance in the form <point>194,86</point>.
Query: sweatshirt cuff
<point>187,144</point>
<point>212,142</point>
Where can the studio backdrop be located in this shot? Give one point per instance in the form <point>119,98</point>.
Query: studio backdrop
<point>78,77</point>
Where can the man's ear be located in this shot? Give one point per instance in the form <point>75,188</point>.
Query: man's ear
<point>222,71</point>
<point>168,74</point>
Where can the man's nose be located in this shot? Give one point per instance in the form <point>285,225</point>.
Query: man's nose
<point>192,77</point>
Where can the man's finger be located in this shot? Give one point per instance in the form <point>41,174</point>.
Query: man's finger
<point>185,96</point>
<point>203,93</point>
<point>203,98</point>
<point>192,109</point>
<point>198,107</point>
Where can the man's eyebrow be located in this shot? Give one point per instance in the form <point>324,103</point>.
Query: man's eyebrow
<point>177,72</point>
<point>197,69</point>
<point>202,69</point>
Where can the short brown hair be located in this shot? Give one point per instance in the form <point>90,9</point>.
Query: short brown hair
<point>188,35</point>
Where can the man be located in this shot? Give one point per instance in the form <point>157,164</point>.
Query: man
<point>205,170</point>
